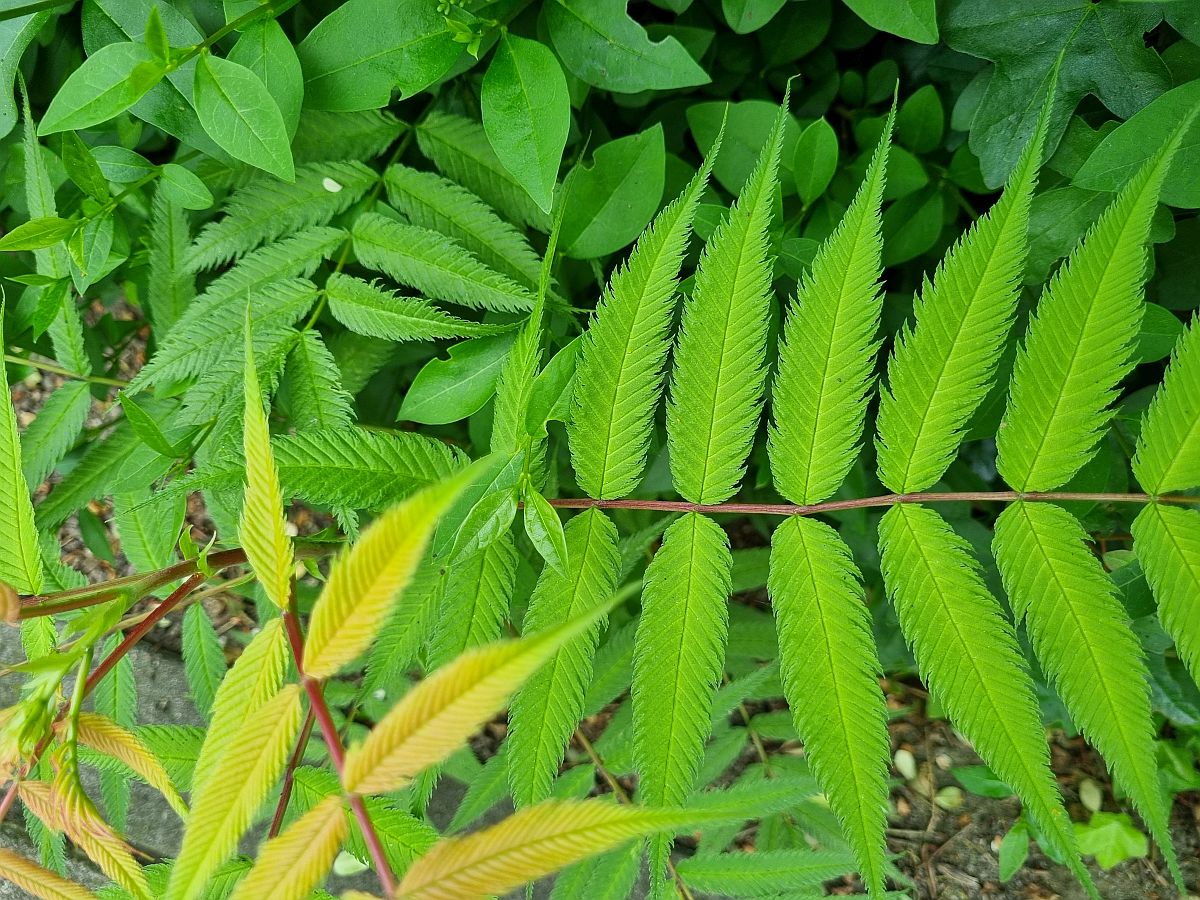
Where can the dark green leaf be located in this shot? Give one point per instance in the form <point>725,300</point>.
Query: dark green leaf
<point>147,429</point>
<point>1160,330</point>
<point>815,160</point>
<point>921,121</point>
<point>545,531</point>
<point>745,16</point>
<point>156,35</point>
<point>265,50</point>
<point>912,19</point>
<point>185,188</point>
<point>611,201</point>
<point>38,233</point>
<point>82,167</point>
<point>526,114</point>
<point>109,82</point>
<point>1107,56</point>
<point>1124,151</point>
<point>363,50</point>
<point>601,44</point>
<point>238,113</point>
<point>447,390</point>
<point>484,524</point>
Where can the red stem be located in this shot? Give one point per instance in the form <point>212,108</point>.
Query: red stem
<point>789,509</point>
<point>135,634</point>
<point>337,753</point>
<point>289,774</point>
<point>143,628</point>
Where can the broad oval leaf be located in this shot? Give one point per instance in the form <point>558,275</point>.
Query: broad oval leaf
<point>109,82</point>
<point>527,113</point>
<point>239,113</point>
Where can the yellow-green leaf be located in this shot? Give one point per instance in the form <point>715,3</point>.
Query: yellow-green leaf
<point>241,780</point>
<point>366,581</point>
<point>39,882</point>
<point>440,713</point>
<point>103,734</point>
<point>64,807</point>
<point>261,529</point>
<point>253,680</point>
<point>292,865</point>
<point>533,842</point>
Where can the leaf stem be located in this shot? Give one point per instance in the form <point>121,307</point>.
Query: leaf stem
<point>790,509</point>
<point>289,774</point>
<point>59,370</point>
<point>337,753</point>
<point>143,628</point>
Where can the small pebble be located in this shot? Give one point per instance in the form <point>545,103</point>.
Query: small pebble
<point>330,185</point>
<point>906,764</point>
<point>1090,795</point>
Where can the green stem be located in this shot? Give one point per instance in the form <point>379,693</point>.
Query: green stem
<point>59,370</point>
<point>81,691</point>
<point>30,8</point>
<point>264,10</point>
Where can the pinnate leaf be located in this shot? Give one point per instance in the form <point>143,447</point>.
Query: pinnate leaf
<point>291,865</point>
<point>239,782</point>
<point>366,581</point>
<point>439,714</point>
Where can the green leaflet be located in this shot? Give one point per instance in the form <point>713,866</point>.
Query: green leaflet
<point>827,350</point>
<point>169,284</point>
<point>478,593</point>
<point>1083,641</point>
<point>831,679</point>
<point>407,629</point>
<point>313,387</point>
<point>20,561</point>
<point>942,367</point>
<point>375,312</point>
<point>763,873</point>
<point>678,660</point>
<point>1168,447</point>
<point>198,342</point>
<point>1080,342</point>
<point>545,711</point>
<point>1167,541</point>
<point>268,208</point>
<point>52,433</point>
<point>66,330</point>
<point>720,355</point>
<point>348,467</point>
<point>148,531</point>
<point>433,202</point>
<point>967,654</point>
<point>624,352</point>
<point>434,264</point>
<point>203,658</point>
<point>460,150</point>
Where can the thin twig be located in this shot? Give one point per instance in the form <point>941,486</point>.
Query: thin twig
<point>337,753</point>
<point>289,774</point>
<point>790,509</point>
<point>623,796</point>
